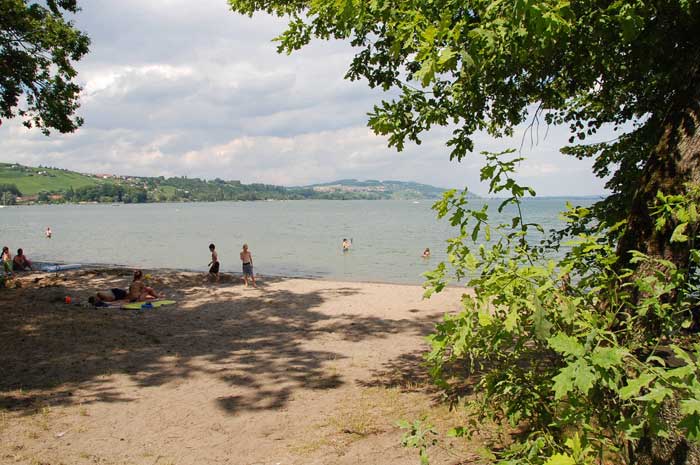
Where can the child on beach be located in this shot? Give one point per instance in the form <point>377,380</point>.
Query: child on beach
<point>247,260</point>
<point>214,264</point>
<point>6,259</point>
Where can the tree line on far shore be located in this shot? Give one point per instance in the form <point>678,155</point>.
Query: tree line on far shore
<point>181,189</point>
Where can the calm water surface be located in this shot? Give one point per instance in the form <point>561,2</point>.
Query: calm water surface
<point>288,238</point>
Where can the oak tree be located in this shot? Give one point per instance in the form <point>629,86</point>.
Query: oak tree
<point>491,65</point>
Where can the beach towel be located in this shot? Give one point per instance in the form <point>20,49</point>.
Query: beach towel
<point>146,305</point>
<point>57,268</point>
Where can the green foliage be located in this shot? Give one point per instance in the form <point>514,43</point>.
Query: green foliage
<point>8,194</point>
<point>419,435</point>
<point>37,48</point>
<point>578,352</point>
<point>680,212</point>
<point>10,189</point>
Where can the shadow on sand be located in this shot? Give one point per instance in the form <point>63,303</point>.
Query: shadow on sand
<point>250,339</point>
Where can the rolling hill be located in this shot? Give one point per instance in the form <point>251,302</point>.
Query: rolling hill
<point>31,181</point>
<point>59,185</point>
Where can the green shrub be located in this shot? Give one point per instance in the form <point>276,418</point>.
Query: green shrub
<point>578,351</point>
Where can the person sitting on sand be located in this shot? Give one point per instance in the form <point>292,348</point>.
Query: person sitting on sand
<point>21,262</point>
<point>137,291</point>
<point>426,253</point>
<point>247,259</point>
<point>6,259</point>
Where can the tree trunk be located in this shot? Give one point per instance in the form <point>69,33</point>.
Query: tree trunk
<point>675,450</point>
<point>674,162</point>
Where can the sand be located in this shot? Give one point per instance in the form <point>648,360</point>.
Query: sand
<point>298,371</point>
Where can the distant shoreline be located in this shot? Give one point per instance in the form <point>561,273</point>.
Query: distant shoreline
<point>118,204</point>
<point>26,184</point>
<point>430,199</point>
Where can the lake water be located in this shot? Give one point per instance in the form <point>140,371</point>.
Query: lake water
<point>287,238</point>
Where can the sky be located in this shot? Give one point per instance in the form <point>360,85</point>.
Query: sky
<point>190,88</point>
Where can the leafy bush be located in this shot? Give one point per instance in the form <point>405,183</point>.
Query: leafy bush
<point>579,352</point>
<point>11,189</point>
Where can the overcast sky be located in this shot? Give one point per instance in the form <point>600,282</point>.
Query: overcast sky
<point>182,87</point>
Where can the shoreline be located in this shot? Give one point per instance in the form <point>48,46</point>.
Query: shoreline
<point>120,204</point>
<point>591,197</point>
<point>234,274</point>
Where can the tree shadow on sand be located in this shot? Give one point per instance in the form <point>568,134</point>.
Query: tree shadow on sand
<point>253,342</point>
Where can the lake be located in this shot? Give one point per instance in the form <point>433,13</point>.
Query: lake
<point>287,238</point>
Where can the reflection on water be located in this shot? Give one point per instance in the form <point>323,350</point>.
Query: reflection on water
<point>291,238</point>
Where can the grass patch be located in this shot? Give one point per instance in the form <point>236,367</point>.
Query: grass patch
<point>376,410</point>
<point>30,182</point>
<point>306,448</point>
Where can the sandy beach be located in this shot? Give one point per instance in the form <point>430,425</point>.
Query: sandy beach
<point>296,372</point>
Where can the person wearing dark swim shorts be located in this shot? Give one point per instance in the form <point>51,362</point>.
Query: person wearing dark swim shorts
<point>214,264</point>
<point>119,294</point>
<point>109,296</point>
<point>247,259</point>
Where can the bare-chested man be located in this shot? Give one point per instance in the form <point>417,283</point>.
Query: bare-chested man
<point>247,260</point>
<point>137,291</point>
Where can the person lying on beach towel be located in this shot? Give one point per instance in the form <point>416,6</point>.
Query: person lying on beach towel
<point>138,291</point>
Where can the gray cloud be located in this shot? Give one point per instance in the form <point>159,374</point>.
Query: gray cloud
<point>175,87</point>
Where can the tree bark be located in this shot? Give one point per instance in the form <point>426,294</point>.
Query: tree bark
<point>674,162</point>
<point>675,450</point>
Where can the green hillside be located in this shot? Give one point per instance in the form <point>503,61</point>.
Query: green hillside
<point>401,190</point>
<point>57,185</point>
<point>31,181</point>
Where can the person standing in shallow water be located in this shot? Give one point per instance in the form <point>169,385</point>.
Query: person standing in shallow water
<point>214,264</point>
<point>247,260</point>
<point>48,232</point>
